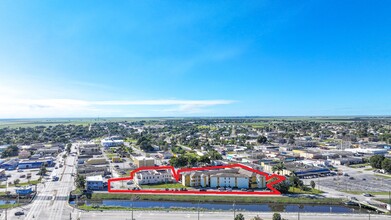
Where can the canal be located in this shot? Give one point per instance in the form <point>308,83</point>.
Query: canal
<point>228,207</point>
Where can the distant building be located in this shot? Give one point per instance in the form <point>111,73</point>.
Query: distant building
<point>116,159</point>
<point>111,142</point>
<point>165,155</point>
<point>10,164</point>
<point>94,182</point>
<point>92,170</point>
<point>369,151</point>
<point>299,169</point>
<point>48,151</point>
<point>144,161</point>
<point>347,161</point>
<point>96,161</point>
<point>234,178</point>
<point>4,147</point>
<point>24,190</point>
<point>90,149</point>
<point>31,164</point>
<point>24,154</point>
<point>2,173</point>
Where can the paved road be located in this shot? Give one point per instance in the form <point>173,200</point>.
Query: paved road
<point>332,192</point>
<point>219,216</point>
<point>51,201</point>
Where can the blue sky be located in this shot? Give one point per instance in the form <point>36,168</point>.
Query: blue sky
<point>194,58</point>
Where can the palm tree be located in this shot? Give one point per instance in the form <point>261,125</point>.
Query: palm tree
<point>278,167</point>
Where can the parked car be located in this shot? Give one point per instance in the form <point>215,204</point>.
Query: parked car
<point>19,213</point>
<point>203,190</point>
<point>367,195</point>
<point>22,176</point>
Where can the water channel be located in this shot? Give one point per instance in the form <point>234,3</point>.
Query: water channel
<point>229,206</point>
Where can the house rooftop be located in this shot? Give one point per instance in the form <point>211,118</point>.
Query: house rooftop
<point>97,178</point>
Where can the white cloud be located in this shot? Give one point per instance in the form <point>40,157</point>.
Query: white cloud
<point>17,108</point>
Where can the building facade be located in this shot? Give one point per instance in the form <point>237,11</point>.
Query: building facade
<point>31,164</point>
<point>144,161</point>
<point>153,177</point>
<point>233,178</point>
<point>94,182</point>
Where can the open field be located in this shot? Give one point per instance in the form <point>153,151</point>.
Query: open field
<point>258,121</point>
<point>15,123</point>
<point>239,199</point>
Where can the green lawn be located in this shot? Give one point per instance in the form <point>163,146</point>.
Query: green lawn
<point>296,190</point>
<point>77,191</point>
<point>383,175</point>
<point>384,200</point>
<point>239,199</point>
<point>9,206</point>
<point>361,192</point>
<point>111,155</point>
<point>164,185</point>
<point>359,165</point>
<point>120,208</point>
<point>32,182</point>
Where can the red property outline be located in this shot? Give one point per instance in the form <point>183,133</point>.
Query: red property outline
<point>176,175</point>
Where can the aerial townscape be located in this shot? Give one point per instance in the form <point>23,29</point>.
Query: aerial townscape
<point>195,110</point>
<point>192,166</point>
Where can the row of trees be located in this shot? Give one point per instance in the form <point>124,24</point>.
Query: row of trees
<point>293,181</point>
<point>10,151</point>
<point>380,162</point>
<point>276,216</point>
<point>192,159</point>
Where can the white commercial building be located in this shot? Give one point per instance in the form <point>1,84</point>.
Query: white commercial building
<point>153,177</point>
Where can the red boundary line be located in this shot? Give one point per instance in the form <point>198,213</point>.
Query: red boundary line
<point>176,175</point>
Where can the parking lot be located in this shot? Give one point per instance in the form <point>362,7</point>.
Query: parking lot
<point>358,180</point>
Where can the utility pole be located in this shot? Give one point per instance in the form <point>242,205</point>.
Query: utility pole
<point>198,209</point>
<point>132,210</point>
<point>389,199</point>
<point>233,205</point>
<point>298,212</point>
